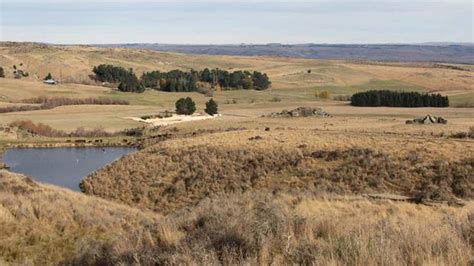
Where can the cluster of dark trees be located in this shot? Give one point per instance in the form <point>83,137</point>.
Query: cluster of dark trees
<point>178,80</point>
<point>173,81</point>
<point>398,99</point>
<point>181,81</point>
<point>2,73</point>
<point>186,106</point>
<point>127,80</point>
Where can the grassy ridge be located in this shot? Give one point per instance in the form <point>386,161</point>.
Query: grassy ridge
<point>73,64</point>
<point>169,176</point>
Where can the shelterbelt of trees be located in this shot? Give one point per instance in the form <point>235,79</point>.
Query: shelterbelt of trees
<point>181,81</point>
<point>398,99</point>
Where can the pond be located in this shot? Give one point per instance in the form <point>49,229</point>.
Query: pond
<point>63,167</point>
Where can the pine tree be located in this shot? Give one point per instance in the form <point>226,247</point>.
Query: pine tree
<point>211,107</point>
<point>185,106</point>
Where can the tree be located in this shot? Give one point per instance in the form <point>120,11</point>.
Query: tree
<point>185,106</point>
<point>130,83</point>
<point>110,73</point>
<point>206,75</point>
<point>211,107</point>
<point>2,73</point>
<point>179,81</point>
<point>260,81</point>
<point>49,76</point>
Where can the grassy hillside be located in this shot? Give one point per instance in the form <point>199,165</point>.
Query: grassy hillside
<point>174,174</point>
<point>42,225</point>
<point>434,52</point>
<point>73,64</point>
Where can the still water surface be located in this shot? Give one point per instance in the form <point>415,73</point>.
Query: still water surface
<point>63,167</point>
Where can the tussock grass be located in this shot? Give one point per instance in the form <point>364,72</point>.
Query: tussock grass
<point>46,225</point>
<point>174,174</point>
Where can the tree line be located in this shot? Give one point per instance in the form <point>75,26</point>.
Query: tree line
<point>181,81</point>
<point>398,99</point>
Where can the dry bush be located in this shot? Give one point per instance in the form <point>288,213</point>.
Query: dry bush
<point>342,98</point>
<point>19,108</point>
<point>275,99</point>
<point>463,135</point>
<point>207,91</point>
<point>44,130</point>
<point>323,95</point>
<point>60,101</point>
<point>37,129</point>
<point>50,103</point>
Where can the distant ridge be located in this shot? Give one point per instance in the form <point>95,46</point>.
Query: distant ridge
<point>443,52</point>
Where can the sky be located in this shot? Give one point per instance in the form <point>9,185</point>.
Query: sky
<point>236,21</point>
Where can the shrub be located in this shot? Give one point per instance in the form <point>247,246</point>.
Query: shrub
<point>50,103</point>
<point>342,98</point>
<point>2,73</point>
<point>49,76</point>
<point>463,135</point>
<point>208,92</point>
<point>44,130</point>
<point>275,99</point>
<point>323,95</point>
<point>185,106</point>
<point>37,129</point>
<point>211,107</point>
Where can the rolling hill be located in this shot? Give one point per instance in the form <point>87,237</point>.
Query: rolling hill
<point>429,52</point>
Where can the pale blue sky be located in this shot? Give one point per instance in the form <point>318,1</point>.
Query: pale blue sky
<point>238,21</point>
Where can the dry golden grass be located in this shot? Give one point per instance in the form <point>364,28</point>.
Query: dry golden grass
<point>231,192</point>
<point>180,172</point>
<point>44,225</point>
<point>74,63</point>
<point>291,84</point>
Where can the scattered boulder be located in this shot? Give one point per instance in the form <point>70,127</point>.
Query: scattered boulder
<point>301,112</point>
<point>429,119</point>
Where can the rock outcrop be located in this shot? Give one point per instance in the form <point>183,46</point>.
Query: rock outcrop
<point>429,119</point>
<point>301,112</point>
